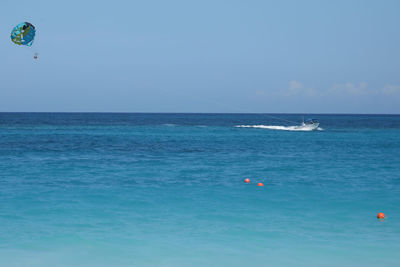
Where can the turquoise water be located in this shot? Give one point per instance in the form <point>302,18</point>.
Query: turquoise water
<point>168,190</point>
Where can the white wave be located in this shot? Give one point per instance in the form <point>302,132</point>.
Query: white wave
<point>279,127</point>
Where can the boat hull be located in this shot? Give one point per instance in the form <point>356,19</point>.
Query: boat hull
<point>309,127</point>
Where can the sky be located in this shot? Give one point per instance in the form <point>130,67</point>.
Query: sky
<point>202,56</point>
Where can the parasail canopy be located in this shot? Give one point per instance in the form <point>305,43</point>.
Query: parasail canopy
<point>23,34</point>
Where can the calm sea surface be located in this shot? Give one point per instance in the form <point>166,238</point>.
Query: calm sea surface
<point>168,190</point>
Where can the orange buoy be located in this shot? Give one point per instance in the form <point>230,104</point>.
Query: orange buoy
<point>247,180</point>
<point>260,184</point>
<point>381,215</point>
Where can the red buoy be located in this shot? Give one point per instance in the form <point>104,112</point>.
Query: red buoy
<point>260,184</point>
<point>381,215</point>
<point>247,180</point>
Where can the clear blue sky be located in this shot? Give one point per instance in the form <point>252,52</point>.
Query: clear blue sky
<point>203,56</point>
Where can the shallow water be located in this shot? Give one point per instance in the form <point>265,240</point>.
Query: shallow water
<point>168,190</point>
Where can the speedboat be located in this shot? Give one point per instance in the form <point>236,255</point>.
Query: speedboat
<point>310,124</point>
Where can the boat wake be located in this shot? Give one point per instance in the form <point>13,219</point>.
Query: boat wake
<point>281,128</point>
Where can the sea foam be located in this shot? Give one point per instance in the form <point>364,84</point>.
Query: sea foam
<point>279,127</point>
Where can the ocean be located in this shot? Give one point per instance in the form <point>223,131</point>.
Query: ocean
<point>132,189</point>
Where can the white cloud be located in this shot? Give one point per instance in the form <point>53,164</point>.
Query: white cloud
<point>296,88</point>
<point>350,88</point>
<point>260,93</point>
<point>390,89</point>
<point>362,88</point>
<point>347,89</point>
<point>294,85</point>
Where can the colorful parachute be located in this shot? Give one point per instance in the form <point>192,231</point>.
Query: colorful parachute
<point>23,34</point>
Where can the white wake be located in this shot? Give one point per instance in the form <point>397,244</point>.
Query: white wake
<point>282,128</point>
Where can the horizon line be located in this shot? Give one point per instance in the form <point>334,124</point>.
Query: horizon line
<point>140,112</point>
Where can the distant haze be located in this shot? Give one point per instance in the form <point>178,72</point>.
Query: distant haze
<point>203,56</point>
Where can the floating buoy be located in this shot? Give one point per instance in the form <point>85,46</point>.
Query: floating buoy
<point>260,184</point>
<point>247,180</point>
<point>381,215</point>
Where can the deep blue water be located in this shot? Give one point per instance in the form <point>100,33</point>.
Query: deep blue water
<point>167,190</point>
